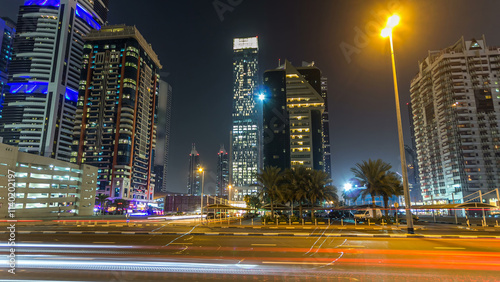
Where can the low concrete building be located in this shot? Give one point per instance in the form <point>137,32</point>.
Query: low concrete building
<point>37,186</point>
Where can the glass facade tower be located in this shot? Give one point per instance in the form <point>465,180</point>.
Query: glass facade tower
<point>39,110</point>
<point>194,175</point>
<point>7,32</point>
<point>294,117</point>
<point>222,172</point>
<point>245,152</point>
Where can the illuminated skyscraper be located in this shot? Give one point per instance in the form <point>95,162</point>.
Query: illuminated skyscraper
<point>115,128</point>
<point>39,111</point>
<point>293,117</point>
<point>194,175</point>
<point>222,172</point>
<point>325,124</point>
<point>455,101</point>
<point>246,135</point>
<point>164,107</point>
<point>7,32</point>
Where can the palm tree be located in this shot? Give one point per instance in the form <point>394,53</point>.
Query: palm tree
<point>319,190</point>
<point>269,180</point>
<point>252,201</point>
<point>390,186</point>
<point>101,199</point>
<point>370,175</point>
<point>295,183</point>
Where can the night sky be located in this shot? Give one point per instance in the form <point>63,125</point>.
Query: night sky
<point>195,46</point>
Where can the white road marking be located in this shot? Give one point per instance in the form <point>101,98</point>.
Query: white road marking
<point>350,246</point>
<point>293,262</point>
<point>449,248</point>
<point>264,245</point>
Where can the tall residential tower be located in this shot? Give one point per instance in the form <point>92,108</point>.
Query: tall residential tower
<point>245,147</point>
<point>115,126</point>
<point>44,76</point>
<point>455,101</point>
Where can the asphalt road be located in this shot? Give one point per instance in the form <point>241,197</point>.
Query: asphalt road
<point>187,257</point>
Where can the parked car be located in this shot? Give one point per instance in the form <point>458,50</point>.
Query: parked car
<point>249,215</point>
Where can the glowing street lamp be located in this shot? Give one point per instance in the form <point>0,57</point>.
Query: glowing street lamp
<point>392,22</point>
<point>347,186</point>
<point>202,183</point>
<point>262,97</point>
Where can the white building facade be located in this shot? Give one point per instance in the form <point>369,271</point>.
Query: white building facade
<point>43,186</point>
<point>456,113</point>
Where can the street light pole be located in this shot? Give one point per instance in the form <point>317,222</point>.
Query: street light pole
<point>392,22</point>
<point>202,184</point>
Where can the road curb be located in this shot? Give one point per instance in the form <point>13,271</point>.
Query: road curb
<point>340,235</point>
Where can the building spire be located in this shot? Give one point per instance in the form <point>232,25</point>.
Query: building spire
<point>193,149</point>
<point>222,149</point>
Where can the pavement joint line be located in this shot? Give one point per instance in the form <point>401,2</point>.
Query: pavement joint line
<point>241,234</point>
<point>101,232</point>
<point>212,233</point>
<point>131,233</point>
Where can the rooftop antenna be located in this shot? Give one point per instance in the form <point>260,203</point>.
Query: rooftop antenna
<point>279,63</point>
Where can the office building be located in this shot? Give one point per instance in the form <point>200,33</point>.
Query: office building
<point>115,127</point>
<point>39,110</point>
<point>325,125</point>
<point>455,101</point>
<point>222,172</point>
<point>7,32</point>
<point>45,187</point>
<point>293,117</point>
<point>194,175</point>
<point>164,109</point>
<point>246,136</point>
